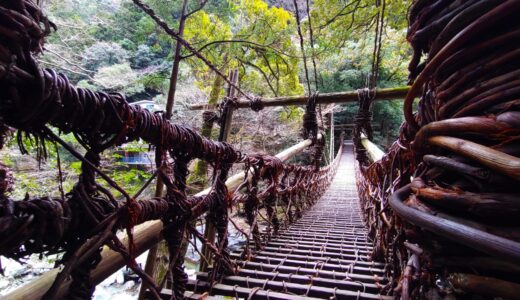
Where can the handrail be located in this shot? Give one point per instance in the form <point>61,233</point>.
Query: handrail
<point>457,232</point>
<point>373,150</point>
<point>327,98</point>
<point>233,181</point>
<point>146,235</point>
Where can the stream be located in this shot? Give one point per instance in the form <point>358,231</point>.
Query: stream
<point>121,285</point>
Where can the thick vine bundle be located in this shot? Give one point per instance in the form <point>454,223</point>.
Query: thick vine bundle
<point>454,228</point>
<point>88,217</point>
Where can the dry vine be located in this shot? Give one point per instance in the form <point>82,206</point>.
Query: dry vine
<point>454,227</point>
<point>89,216</point>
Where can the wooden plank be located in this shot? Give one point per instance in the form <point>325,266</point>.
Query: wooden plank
<point>344,283</point>
<point>328,98</point>
<point>305,290</point>
<point>318,239</point>
<point>253,294</point>
<point>314,272</point>
<point>281,250</point>
<point>309,245</point>
<point>351,259</point>
<point>318,264</point>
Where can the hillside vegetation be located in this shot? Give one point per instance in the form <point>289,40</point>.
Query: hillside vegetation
<point>111,45</point>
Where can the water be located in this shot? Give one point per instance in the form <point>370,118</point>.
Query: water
<point>112,288</point>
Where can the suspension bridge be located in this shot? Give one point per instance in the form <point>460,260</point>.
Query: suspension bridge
<point>325,254</point>
<point>434,217</point>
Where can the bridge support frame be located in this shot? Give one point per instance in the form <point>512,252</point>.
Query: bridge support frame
<point>225,128</point>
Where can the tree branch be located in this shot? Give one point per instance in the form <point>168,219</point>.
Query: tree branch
<point>244,42</point>
<point>269,66</point>
<point>302,45</point>
<point>201,6</point>
<point>342,13</point>
<point>263,74</point>
<point>186,44</point>
<point>313,52</point>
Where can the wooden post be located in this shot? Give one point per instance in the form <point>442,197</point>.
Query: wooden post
<point>227,114</point>
<point>153,252</point>
<point>228,111</point>
<point>176,63</point>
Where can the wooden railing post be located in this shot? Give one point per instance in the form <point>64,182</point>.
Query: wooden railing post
<point>227,118</point>
<point>151,259</point>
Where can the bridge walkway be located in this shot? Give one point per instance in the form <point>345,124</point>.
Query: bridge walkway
<point>324,255</point>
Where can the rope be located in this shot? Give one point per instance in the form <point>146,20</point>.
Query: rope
<point>87,217</point>
<point>256,104</point>
<point>310,121</point>
<point>465,121</point>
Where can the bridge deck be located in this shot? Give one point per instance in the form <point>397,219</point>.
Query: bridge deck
<point>322,255</point>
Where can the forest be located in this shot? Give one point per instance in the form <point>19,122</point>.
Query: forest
<point>113,46</point>
<point>259,149</point>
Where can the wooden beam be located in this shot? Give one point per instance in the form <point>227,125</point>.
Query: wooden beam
<point>146,236</point>
<point>225,129</point>
<point>373,150</point>
<point>328,98</point>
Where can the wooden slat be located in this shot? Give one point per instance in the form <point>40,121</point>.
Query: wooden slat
<point>306,290</point>
<point>310,271</point>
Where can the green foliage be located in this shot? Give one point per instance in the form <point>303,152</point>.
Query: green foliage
<point>128,24</point>
<point>271,69</point>
<point>112,45</point>
<point>131,179</point>
<point>136,146</point>
<point>76,166</point>
<point>143,57</point>
<point>291,113</point>
<point>119,78</point>
<point>85,84</point>
<point>103,54</point>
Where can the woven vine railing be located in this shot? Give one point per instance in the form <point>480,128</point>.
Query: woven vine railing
<point>443,205</point>
<point>88,217</point>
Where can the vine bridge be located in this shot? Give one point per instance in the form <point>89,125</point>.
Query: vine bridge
<point>435,217</point>
<point>324,254</point>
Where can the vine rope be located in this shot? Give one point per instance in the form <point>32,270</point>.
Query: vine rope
<point>89,216</point>
<point>442,205</point>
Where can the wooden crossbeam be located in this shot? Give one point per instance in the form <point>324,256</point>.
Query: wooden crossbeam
<point>328,98</point>
<point>351,126</point>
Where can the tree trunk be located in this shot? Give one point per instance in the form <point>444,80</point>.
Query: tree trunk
<point>199,173</point>
<point>158,255</point>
